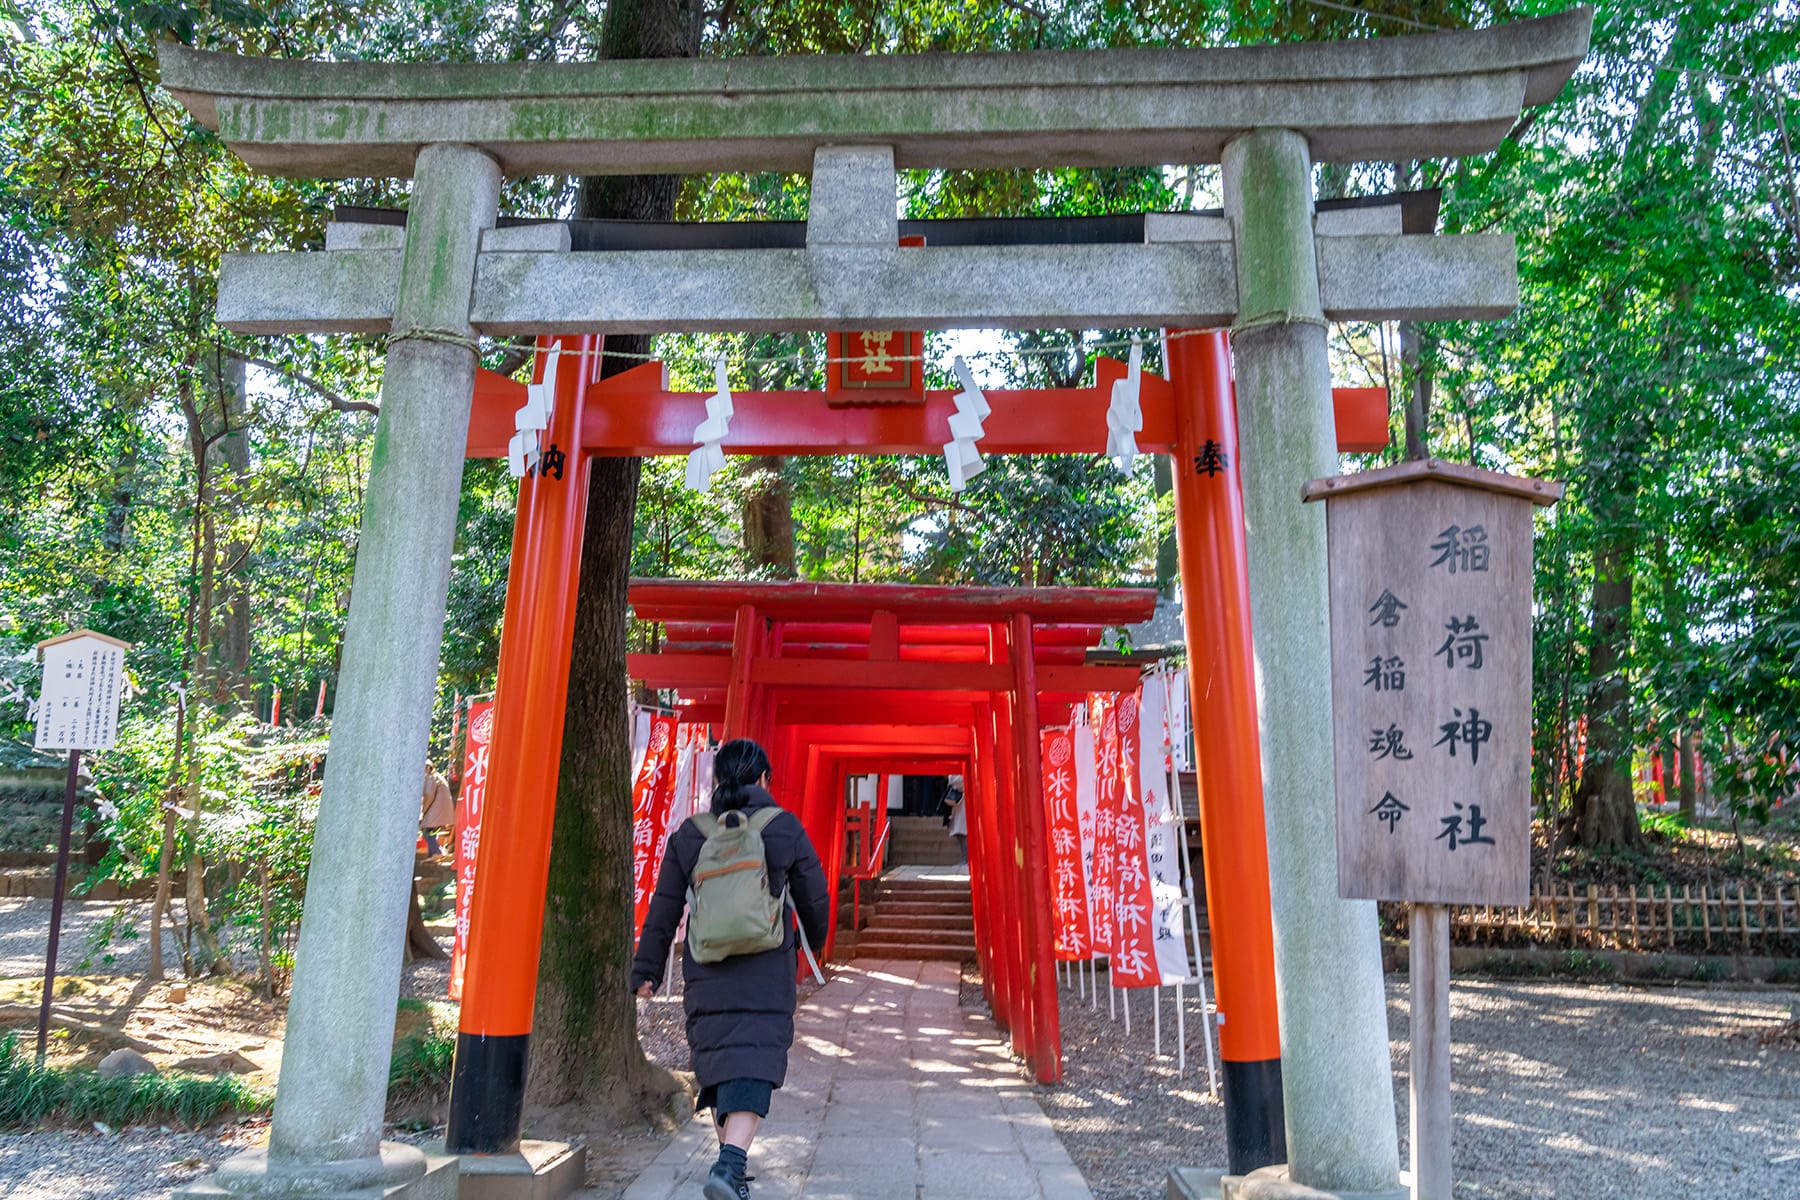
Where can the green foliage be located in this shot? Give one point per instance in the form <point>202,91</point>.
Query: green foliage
<point>1662,824</point>
<point>31,1095</point>
<point>1652,365</point>
<point>420,1069</point>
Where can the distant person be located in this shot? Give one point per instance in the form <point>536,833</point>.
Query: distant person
<point>436,810</point>
<point>957,819</point>
<point>740,1008</point>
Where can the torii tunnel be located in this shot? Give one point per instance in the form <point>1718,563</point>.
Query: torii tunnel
<point>838,680</point>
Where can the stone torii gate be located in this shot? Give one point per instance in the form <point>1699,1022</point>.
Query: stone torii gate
<point>1265,113</point>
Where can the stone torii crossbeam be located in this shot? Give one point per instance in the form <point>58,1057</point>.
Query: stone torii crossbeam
<point>1267,114</point>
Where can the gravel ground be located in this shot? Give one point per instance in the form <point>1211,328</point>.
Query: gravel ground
<point>1560,1090</point>
<point>24,925</point>
<point>127,1165</point>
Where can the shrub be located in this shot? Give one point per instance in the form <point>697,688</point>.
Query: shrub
<point>420,1069</point>
<point>31,1094</point>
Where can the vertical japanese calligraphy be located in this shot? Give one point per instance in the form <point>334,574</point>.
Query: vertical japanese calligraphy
<point>652,793</point>
<point>1133,959</point>
<point>468,832</point>
<point>1431,671</point>
<point>1068,879</point>
<point>78,706</point>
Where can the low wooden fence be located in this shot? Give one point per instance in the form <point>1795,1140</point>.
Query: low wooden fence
<point>1757,919</point>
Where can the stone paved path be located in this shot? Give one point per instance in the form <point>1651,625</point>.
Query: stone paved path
<point>893,1093</point>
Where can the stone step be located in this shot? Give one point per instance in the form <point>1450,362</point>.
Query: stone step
<point>912,908</point>
<point>961,921</point>
<point>942,856</point>
<point>921,937</point>
<point>905,889</point>
<point>866,948</point>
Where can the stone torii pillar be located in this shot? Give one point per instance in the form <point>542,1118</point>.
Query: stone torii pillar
<point>1339,1092</point>
<point>1267,269</point>
<point>325,1138</point>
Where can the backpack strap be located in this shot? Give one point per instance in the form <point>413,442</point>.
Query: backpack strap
<point>759,820</point>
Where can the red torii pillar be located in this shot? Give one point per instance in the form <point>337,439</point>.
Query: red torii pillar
<point>487,1089</point>
<point>1215,610</point>
<point>1040,958</point>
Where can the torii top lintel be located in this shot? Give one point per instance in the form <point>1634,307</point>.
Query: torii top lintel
<point>1430,95</point>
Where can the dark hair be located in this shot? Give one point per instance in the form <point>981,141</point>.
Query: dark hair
<point>737,766</point>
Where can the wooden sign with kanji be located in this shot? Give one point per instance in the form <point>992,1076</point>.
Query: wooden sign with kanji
<point>1430,566</point>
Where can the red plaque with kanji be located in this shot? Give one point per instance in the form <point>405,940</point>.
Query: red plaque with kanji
<point>876,366</point>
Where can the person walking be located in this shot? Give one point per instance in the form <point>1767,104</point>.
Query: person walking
<point>958,818</point>
<point>740,1008</point>
<point>436,809</point>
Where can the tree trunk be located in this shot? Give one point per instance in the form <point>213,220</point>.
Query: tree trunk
<point>769,517</point>
<point>1690,763</point>
<point>1615,432</point>
<point>585,1054</point>
<point>1418,392</point>
<point>164,870</point>
<point>1605,811</point>
<point>226,475</point>
<point>1168,566</point>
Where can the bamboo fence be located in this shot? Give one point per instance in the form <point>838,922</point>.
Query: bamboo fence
<point>1754,919</point>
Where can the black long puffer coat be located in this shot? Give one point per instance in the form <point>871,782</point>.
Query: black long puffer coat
<point>740,1010</point>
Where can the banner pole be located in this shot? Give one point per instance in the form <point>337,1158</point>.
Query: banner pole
<point>1180,1033</point>
<point>56,903</point>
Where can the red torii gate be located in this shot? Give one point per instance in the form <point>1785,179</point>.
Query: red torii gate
<point>823,674</point>
<point>1190,415</point>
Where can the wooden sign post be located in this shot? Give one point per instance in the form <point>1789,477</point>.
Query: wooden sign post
<point>1430,567</point>
<point>77,709</point>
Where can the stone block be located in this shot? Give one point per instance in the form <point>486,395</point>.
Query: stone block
<point>852,201</point>
<point>1363,219</point>
<point>1273,1183</point>
<point>1195,1183</point>
<point>1186,227</point>
<point>537,1171</point>
<point>363,235</point>
<point>437,1180</point>
<point>550,236</point>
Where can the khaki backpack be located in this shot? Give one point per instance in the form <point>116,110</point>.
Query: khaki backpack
<point>730,910</point>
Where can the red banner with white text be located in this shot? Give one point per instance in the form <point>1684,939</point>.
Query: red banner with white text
<point>1133,959</point>
<point>1068,883</point>
<point>651,795</point>
<point>1103,717</point>
<point>468,832</point>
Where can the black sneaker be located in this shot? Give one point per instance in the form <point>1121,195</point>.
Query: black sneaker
<point>722,1185</point>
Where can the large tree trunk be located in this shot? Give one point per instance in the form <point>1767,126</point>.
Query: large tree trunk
<point>1605,811</point>
<point>227,474</point>
<point>769,517</point>
<point>1690,765</point>
<point>585,1055</point>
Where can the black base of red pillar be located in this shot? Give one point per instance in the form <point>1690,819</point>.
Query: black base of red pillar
<point>1255,1129</point>
<point>487,1094</point>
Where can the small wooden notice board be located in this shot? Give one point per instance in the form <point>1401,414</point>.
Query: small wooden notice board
<point>1430,566</point>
